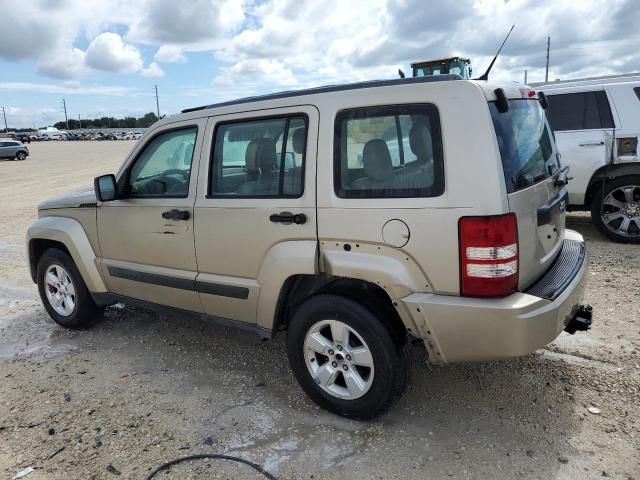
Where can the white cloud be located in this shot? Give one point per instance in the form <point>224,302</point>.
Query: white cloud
<point>65,88</point>
<point>64,64</point>
<point>168,21</point>
<point>169,54</point>
<point>153,70</point>
<point>261,70</point>
<point>109,53</point>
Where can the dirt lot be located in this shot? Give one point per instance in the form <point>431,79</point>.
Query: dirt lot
<point>139,388</point>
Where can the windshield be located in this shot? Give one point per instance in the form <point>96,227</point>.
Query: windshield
<point>526,144</point>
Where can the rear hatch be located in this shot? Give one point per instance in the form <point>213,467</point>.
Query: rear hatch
<point>531,168</point>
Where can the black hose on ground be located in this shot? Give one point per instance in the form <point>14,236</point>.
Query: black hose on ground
<point>213,456</point>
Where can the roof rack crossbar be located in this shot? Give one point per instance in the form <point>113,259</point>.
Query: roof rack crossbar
<point>329,88</point>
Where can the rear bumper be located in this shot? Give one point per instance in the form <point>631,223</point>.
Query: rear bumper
<point>469,329</point>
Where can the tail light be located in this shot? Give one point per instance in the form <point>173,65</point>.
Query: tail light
<point>488,255</point>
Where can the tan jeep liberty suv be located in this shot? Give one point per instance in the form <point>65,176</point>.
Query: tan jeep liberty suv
<point>354,217</point>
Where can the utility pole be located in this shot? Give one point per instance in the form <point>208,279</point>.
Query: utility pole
<point>64,105</point>
<point>525,77</point>
<point>546,72</point>
<point>157,102</point>
<point>6,129</point>
<point>79,122</point>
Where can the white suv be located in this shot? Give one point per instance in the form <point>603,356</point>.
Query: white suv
<point>596,124</point>
<point>354,217</point>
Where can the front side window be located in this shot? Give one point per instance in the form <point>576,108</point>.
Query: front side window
<point>259,158</point>
<point>525,143</point>
<point>579,111</point>
<point>390,151</point>
<point>163,168</point>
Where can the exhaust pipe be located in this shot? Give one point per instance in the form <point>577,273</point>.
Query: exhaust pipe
<point>581,321</point>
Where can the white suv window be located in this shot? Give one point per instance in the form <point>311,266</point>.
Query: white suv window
<point>579,111</point>
<point>388,151</point>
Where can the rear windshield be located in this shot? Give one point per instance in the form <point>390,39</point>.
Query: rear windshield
<point>526,144</point>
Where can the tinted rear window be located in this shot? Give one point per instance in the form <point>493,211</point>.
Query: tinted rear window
<point>579,111</point>
<point>526,145</point>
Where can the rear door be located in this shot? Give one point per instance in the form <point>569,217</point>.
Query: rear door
<point>255,204</point>
<point>531,168</point>
<point>583,127</point>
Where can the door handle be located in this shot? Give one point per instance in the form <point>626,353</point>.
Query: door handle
<point>288,217</point>
<point>591,144</point>
<point>176,214</point>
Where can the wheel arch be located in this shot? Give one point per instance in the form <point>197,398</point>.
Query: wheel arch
<point>609,172</point>
<point>68,235</point>
<point>298,288</point>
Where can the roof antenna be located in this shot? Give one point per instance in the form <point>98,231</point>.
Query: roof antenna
<point>485,76</point>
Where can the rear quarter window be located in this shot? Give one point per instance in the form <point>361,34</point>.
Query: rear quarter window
<point>388,151</point>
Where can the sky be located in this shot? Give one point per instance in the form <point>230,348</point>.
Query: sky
<point>105,56</point>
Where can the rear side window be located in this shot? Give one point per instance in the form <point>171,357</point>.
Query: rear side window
<point>636,90</point>
<point>525,143</point>
<point>388,151</point>
<point>259,158</point>
<point>579,111</point>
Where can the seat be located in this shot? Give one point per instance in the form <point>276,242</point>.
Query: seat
<point>260,159</point>
<point>419,173</point>
<point>378,168</point>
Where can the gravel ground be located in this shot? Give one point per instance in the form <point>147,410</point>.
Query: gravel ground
<point>139,388</point>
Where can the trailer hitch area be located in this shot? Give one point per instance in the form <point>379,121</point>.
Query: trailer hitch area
<point>581,321</point>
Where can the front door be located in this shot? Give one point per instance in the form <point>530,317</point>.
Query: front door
<point>255,212</point>
<point>146,235</point>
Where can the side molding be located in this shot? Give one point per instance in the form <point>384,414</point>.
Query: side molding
<point>70,233</point>
<point>281,262</point>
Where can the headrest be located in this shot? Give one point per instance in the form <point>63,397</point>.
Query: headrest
<point>420,142</point>
<point>377,160</point>
<point>260,156</point>
<point>299,139</point>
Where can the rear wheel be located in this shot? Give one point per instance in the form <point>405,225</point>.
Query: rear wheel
<point>616,211</point>
<point>346,358</point>
<point>21,155</point>
<point>63,291</point>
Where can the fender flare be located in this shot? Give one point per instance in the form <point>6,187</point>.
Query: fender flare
<point>610,172</point>
<point>70,233</point>
<point>282,261</point>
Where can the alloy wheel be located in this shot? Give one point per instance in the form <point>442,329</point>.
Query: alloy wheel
<point>620,211</point>
<point>338,359</point>
<point>60,291</point>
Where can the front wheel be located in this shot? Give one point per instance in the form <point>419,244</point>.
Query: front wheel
<point>346,357</point>
<point>21,155</point>
<point>616,210</point>
<point>63,292</point>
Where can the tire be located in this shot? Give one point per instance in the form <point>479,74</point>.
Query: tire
<point>372,390</point>
<point>616,212</point>
<point>21,156</point>
<point>62,267</point>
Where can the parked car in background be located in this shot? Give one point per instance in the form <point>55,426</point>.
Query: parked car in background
<point>13,149</point>
<point>597,124</point>
<point>466,251</point>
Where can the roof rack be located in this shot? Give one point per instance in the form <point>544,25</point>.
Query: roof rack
<point>329,88</point>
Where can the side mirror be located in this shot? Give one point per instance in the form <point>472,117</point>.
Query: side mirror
<point>105,188</point>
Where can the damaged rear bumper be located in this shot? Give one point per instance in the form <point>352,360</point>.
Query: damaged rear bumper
<point>470,329</point>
